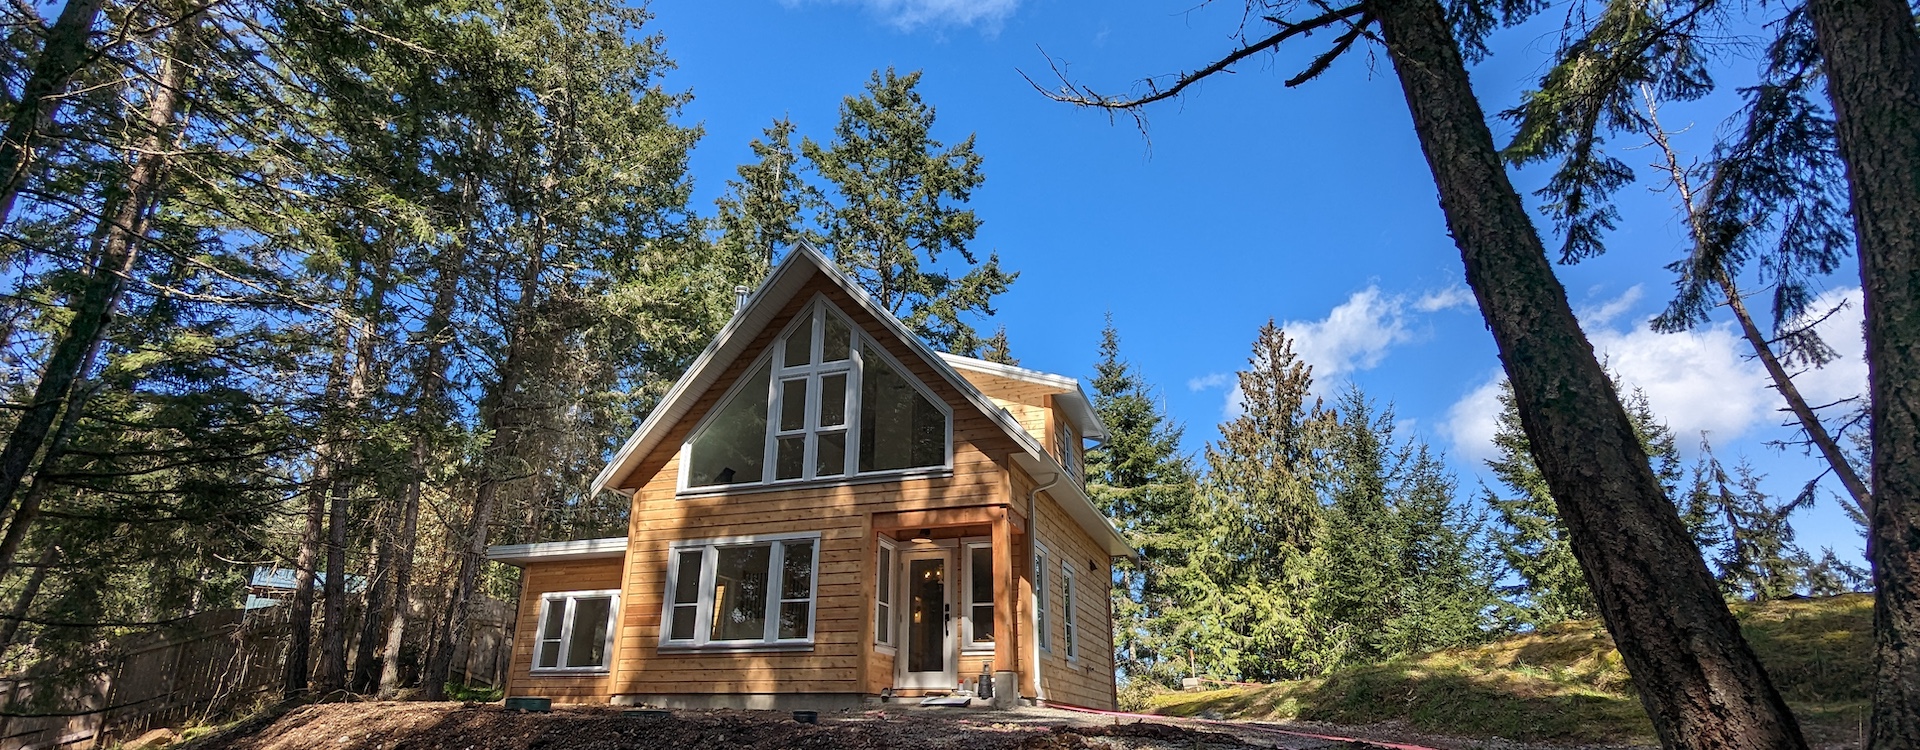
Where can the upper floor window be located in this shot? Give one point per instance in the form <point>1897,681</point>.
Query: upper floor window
<point>825,402</point>
<point>1069,447</point>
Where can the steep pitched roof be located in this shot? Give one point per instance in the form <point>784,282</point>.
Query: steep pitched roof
<point>801,265</point>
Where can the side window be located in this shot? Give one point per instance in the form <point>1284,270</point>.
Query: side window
<point>1069,447</point>
<point>883,598</point>
<point>1040,595</point>
<point>979,604</point>
<point>576,631</point>
<point>1069,631</point>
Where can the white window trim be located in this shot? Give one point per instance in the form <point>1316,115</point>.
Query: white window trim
<point>1069,624</point>
<point>814,315</point>
<point>1064,434</point>
<point>967,643</point>
<point>703,614</point>
<point>891,598</point>
<point>566,629</point>
<point>1042,628</point>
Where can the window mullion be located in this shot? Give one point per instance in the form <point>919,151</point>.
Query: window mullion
<point>776,590</point>
<point>566,633</point>
<point>703,612</point>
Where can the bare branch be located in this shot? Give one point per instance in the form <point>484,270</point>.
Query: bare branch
<point>1080,95</point>
<point>1325,60</point>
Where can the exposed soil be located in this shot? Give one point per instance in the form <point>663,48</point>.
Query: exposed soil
<point>457,726</point>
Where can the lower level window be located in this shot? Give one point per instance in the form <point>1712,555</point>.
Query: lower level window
<point>741,592</point>
<point>576,630</point>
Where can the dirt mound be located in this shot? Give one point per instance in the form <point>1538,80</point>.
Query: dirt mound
<point>455,726</point>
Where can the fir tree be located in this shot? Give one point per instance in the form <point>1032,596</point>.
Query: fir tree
<point>1530,534</point>
<point>762,210</point>
<point>894,210</point>
<point>1264,515</point>
<point>1141,480</point>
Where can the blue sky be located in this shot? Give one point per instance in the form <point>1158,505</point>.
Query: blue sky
<point>1243,201</point>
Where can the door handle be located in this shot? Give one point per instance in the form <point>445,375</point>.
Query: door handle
<point>946,618</point>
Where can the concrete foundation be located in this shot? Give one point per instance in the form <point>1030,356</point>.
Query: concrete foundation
<point>750,701</point>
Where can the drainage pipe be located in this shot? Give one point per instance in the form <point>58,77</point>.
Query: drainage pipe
<point>1039,596</point>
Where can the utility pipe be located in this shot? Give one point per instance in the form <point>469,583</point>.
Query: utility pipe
<point>1033,555</point>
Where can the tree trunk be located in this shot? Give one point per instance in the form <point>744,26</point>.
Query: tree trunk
<point>41,97</point>
<point>431,386</point>
<point>390,675</point>
<point>300,610</point>
<point>332,674</point>
<point>24,602</point>
<point>1695,673</point>
<point>123,226</point>
<point>366,651</point>
<point>1872,55</point>
<point>454,621</point>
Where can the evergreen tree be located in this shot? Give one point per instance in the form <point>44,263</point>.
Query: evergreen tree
<point>1756,556</point>
<point>1530,534</point>
<point>1264,517</point>
<point>1141,480</point>
<point>1401,569</point>
<point>893,210</point>
<point>762,210</point>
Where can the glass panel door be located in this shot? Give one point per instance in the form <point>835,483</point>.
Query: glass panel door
<point>928,661</point>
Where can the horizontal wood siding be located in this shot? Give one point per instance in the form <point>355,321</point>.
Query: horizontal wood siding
<point>842,659</point>
<point>537,580</point>
<point>1089,679</point>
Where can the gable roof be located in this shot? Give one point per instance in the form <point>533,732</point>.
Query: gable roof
<point>1066,390</point>
<point>801,265</point>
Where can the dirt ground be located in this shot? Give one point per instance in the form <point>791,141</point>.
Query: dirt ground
<point>456,726</point>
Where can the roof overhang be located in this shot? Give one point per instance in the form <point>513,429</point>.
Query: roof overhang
<point>520,555</point>
<point>800,265</point>
<point>1067,391</point>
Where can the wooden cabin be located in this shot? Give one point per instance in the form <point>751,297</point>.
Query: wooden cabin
<point>825,512</point>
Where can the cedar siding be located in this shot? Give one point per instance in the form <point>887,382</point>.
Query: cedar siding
<point>537,580</point>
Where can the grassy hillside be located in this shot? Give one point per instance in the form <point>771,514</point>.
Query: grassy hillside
<point>1567,683</point>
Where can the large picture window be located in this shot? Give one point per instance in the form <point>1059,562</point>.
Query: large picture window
<point>741,592</point>
<point>826,402</point>
<point>575,632</point>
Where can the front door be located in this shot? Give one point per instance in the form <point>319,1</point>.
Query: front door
<point>928,656</point>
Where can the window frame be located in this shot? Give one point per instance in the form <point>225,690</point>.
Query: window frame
<point>1066,437</point>
<point>570,599</point>
<point>887,596</point>
<point>1069,625</point>
<point>1042,594</point>
<point>967,603</point>
<point>703,613</point>
<point>814,315</point>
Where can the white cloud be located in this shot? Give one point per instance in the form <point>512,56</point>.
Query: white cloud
<point>1606,312</point>
<point>1845,376</point>
<point>1355,336</point>
<point>1699,380</point>
<point>1471,420</point>
<point>1210,381</point>
<point>1444,299</point>
<point>908,15</point>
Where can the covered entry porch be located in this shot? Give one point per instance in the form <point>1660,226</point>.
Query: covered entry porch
<point>949,597</point>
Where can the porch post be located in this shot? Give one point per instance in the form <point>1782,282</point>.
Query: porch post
<point>1006,640</point>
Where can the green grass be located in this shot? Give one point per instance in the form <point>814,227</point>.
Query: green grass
<point>1566,683</point>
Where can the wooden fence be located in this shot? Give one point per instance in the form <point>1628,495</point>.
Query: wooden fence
<point>206,667</point>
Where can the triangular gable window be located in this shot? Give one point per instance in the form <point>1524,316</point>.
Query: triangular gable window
<point>824,402</point>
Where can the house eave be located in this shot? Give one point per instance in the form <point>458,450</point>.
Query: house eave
<point>521,555</point>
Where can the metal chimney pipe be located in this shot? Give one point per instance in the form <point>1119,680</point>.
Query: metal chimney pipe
<point>740,297</point>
